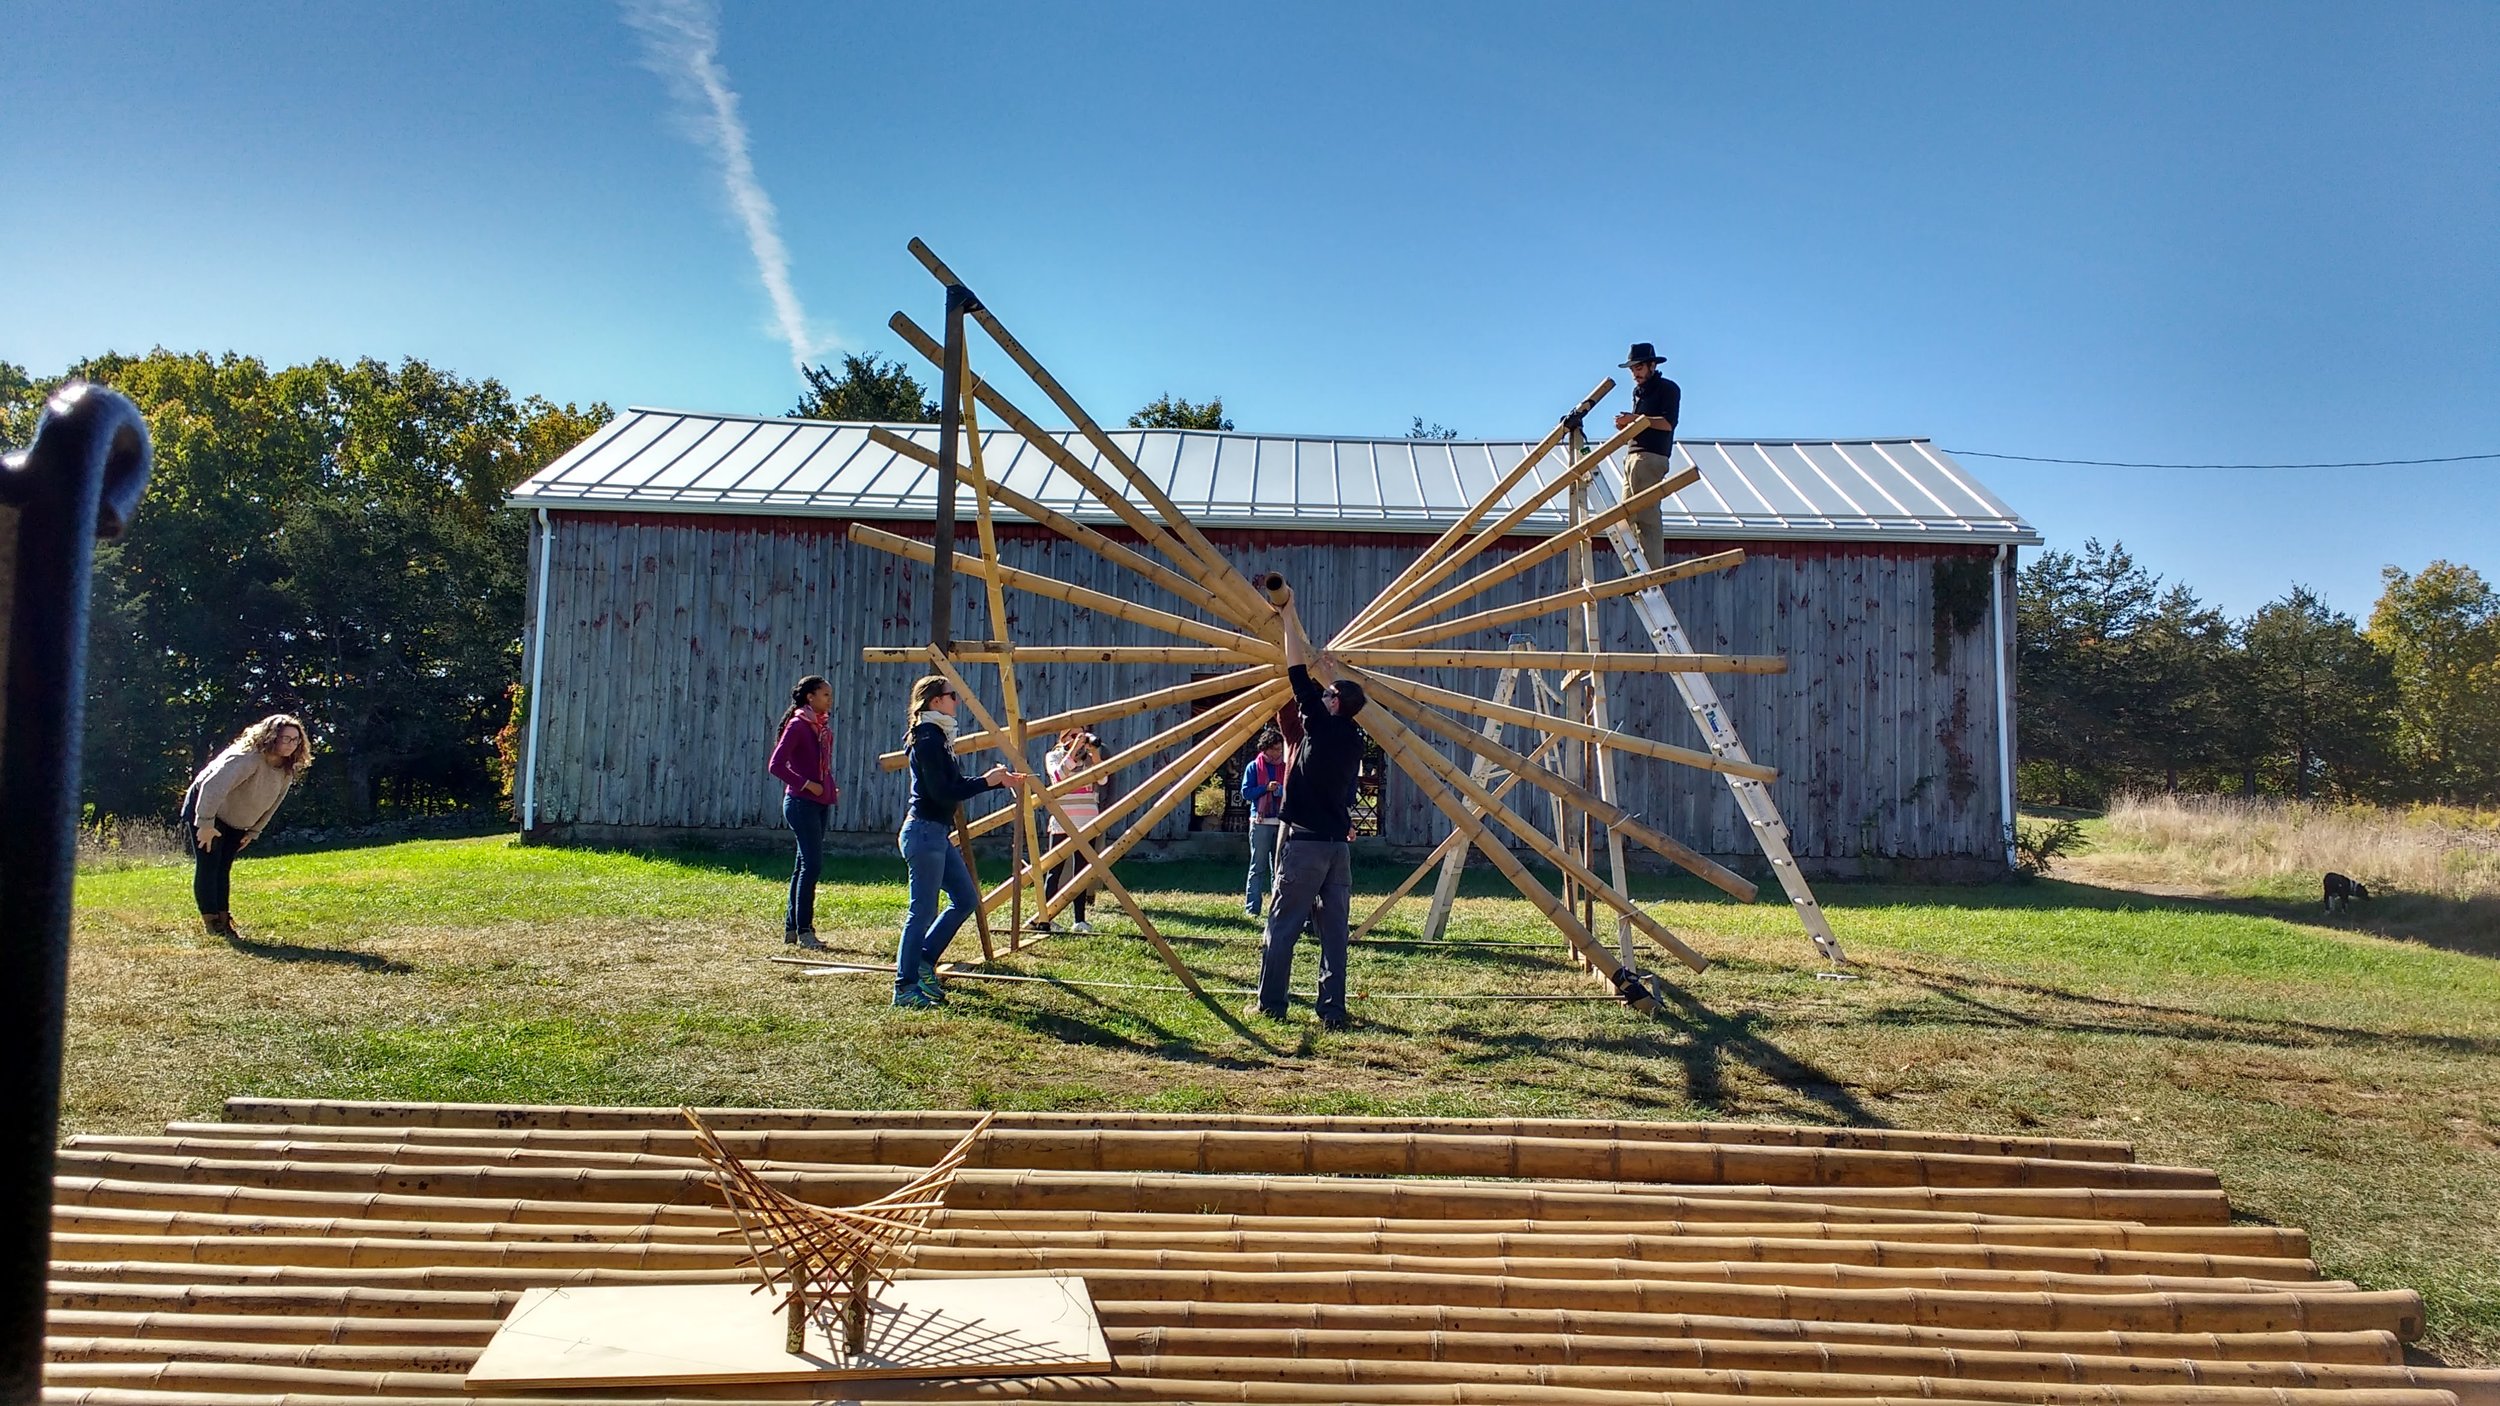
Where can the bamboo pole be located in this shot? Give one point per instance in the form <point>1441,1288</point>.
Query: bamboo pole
<point>1465,552</point>
<point>1078,596</point>
<point>1579,595</point>
<point>992,653</point>
<point>1117,553</point>
<point>1571,538</point>
<point>1451,535</point>
<point>1614,817</point>
<point>1050,448</point>
<point>1402,747</point>
<point>1616,662</point>
<point>1095,865</point>
<point>1460,702</point>
<point>1150,793</point>
<point>1142,703</point>
<point>1221,579</point>
<point>287,1115</point>
<point>1552,850</point>
<point>1450,844</point>
<point>1120,760</point>
<point>1019,745</point>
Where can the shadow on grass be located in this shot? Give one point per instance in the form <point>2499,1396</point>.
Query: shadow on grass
<point>319,956</point>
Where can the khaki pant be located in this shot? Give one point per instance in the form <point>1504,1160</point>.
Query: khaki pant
<point>1643,469</point>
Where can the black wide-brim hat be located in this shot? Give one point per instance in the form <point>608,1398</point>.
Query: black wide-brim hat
<point>1642,351</point>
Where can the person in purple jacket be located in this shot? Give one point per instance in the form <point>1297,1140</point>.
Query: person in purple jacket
<point>802,761</point>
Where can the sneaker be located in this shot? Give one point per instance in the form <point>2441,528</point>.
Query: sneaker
<point>929,984</point>
<point>1081,926</point>
<point>913,998</point>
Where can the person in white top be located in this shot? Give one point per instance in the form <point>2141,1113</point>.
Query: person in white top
<point>232,800</point>
<point>1077,750</point>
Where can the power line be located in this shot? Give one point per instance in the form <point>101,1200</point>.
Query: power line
<point>2115,464</point>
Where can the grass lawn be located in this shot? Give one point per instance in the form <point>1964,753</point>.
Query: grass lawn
<point>2340,1081</point>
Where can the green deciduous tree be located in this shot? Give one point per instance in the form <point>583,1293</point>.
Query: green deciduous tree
<point>2321,698</point>
<point>2440,631</point>
<point>1170,412</point>
<point>867,390</point>
<point>331,539</point>
<point>1435,430</point>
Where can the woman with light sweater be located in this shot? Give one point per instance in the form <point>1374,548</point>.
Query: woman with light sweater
<point>938,785</point>
<point>232,800</point>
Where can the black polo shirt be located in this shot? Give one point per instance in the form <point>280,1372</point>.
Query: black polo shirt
<point>1662,399</point>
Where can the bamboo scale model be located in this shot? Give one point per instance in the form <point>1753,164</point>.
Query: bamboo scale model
<point>1226,621</point>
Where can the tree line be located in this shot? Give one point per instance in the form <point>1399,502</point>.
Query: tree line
<point>2124,683</point>
<point>336,539</point>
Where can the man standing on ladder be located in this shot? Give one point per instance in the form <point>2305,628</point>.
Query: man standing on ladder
<point>1652,457</point>
<point>1315,864</point>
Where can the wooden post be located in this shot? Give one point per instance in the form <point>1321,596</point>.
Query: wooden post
<point>794,1334</point>
<point>942,558</point>
<point>855,1313</point>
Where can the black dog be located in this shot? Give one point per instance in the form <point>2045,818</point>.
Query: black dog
<point>2340,891</point>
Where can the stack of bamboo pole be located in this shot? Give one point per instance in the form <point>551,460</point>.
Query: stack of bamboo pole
<point>313,1251</point>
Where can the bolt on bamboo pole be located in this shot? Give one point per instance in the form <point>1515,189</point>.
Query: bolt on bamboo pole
<point>1098,601</point>
<point>1551,850</point>
<point>1574,598</point>
<point>1509,522</point>
<point>1519,564</point>
<point>1224,580</point>
<point>1450,844</point>
<point>1398,584</point>
<point>1084,847</point>
<point>1686,756</point>
<point>1068,527</point>
<point>1613,816</point>
<point>1142,703</point>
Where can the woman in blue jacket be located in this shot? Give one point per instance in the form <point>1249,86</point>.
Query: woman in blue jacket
<point>938,786</point>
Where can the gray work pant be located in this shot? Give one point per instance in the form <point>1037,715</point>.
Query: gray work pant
<point>1308,872</point>
<point>1644,469</point>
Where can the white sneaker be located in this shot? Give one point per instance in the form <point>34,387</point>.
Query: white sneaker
<point>1082,926</point>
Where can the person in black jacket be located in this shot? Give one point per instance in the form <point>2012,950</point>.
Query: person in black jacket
<point>927,841</point>
<point>1652,460</point>
<point>1315,861</point>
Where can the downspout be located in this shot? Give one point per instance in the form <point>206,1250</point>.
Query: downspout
<point>2005,697</point>
<point>538,674</point>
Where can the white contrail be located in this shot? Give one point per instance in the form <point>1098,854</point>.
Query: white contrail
<point>681,43</point>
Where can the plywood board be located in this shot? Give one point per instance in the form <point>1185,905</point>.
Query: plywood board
<point>673,1334</point>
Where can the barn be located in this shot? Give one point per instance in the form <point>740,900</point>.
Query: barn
<point>685,569</point>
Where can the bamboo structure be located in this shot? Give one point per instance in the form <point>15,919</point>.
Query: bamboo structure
<point>1407,644</point>
<point>336,1253</point>
<point>824,1258</point>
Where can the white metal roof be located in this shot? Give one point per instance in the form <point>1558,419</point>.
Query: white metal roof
<point>672,461</point>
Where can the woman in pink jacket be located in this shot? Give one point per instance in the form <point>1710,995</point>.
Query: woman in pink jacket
<point>802,761</point>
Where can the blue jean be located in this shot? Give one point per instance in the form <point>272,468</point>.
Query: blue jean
<point>807,821</point>
<point>1263,837</point>
<point>1309,873</point>
<point>933,863</point>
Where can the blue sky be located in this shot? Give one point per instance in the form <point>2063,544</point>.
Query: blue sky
<point>2202,233</point>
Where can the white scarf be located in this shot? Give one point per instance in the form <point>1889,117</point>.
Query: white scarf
<point>945,723</point>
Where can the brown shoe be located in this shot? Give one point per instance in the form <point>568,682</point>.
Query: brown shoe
<point>222,924</point>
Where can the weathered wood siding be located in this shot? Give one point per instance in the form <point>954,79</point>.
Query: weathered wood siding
<point>672,642</point>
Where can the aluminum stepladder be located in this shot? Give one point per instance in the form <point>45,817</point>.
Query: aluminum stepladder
<point>1701,699</point>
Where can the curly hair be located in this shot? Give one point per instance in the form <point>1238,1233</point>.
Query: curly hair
<point>262,736</point>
